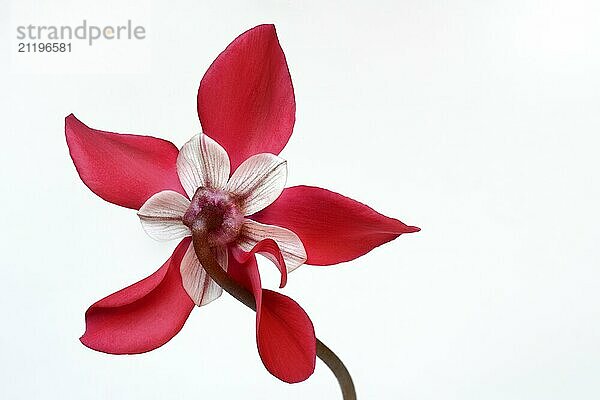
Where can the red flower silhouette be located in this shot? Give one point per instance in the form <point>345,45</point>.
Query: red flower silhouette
<point>229,179</point>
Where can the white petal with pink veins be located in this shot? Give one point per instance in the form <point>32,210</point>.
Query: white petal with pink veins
<point>196,282</point>
<point>161,215</point>
<point>202,162</point>
<point>258,181</point>
<point>289,243</point>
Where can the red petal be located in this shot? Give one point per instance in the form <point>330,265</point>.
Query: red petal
<point>284,333</point>
<point>246,99</point>
<point>286,338</point>
<point>246,274</point>
<point>332,227</point>
<point>143,316</point>
<point>269,249</point>
<point>122,169</point>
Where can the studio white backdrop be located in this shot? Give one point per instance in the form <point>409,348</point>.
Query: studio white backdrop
<point>477,121</point>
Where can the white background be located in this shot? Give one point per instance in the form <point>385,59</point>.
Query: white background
<point>475,120</point>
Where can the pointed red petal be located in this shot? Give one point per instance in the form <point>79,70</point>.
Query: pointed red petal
<point>122,169</point>
<point>284,333</point>
<point>143,316</point>
<point>332,227</point>
<point>269,249</point>
<point>246,99</point>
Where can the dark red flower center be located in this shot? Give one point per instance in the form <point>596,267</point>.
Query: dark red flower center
<point>215,213</point>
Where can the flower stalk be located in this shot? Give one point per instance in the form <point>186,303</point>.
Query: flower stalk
<point>212,268</point>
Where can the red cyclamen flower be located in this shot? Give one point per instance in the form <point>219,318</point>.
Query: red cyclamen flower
<point>230,180</point>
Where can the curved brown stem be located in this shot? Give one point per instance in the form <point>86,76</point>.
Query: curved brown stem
<point>339,370</point>
<point>221,277</point>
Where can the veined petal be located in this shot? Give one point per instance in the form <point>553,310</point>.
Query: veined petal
<point>286,338</point>
<point>197,283</point>
<point>246,99</point>
<point>202,162</point>
<point>143,316</point>
<point>332,227</point>
<point>258,181</point>
<point>288,242</point>
<point>267,248</point>
<point>122,169</point>
<point>161,216</point>
<point>284,333</point>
